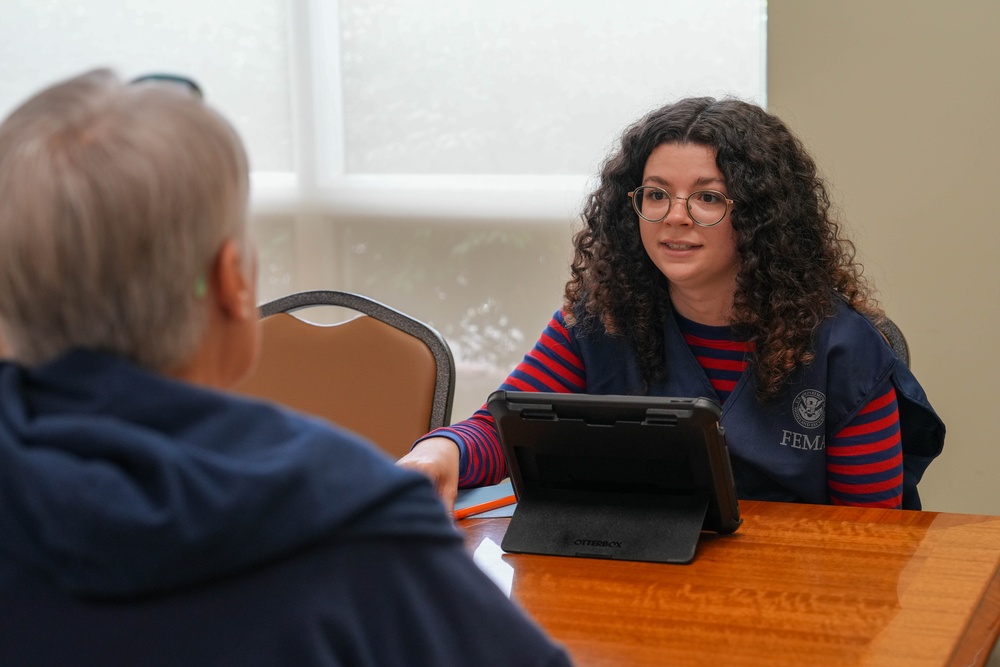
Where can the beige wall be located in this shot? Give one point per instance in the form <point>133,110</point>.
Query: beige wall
<point>898,100</point>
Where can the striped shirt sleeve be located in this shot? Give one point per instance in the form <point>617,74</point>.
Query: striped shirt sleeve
<point>864,465</point>
<point>552,365</point>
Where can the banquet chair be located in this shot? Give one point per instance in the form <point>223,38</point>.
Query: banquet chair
<point>381,373</point>
<point>894,336</point>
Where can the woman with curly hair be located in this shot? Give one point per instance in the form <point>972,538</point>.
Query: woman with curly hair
<point>709,265</point>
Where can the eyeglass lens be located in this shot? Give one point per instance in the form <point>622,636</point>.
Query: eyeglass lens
<point>707,207</point>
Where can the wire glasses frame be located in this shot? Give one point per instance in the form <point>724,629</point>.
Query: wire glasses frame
<point>706,208</point>
<point>175,79</point>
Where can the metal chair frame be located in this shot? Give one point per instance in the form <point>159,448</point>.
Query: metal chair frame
<point>444,385</point>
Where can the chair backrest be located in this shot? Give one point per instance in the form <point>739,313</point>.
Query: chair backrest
<point>382,374</point>
<point>895,338</point>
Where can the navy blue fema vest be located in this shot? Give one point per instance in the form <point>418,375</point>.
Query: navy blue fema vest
<point>776,454</point>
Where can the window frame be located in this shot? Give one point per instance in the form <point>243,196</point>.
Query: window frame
<point>320,184</point>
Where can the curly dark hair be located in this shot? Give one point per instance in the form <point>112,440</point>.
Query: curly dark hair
<point>794,260</point>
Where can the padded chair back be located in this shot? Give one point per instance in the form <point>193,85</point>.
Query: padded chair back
<point>382,374</point>
<point>895,338</point>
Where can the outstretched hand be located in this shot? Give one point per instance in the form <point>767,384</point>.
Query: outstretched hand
<point>438,459</point>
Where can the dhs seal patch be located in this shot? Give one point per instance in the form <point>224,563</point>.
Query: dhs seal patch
<point>809,408</point>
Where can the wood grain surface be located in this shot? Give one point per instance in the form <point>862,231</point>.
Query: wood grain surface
<point>796,585</point>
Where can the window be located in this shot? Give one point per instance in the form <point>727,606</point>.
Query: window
<point>432,155</point>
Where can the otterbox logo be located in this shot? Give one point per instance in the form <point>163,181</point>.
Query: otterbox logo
<point>598,543</point>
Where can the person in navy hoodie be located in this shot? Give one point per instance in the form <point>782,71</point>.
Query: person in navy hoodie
<point>709,265</point>
<point>147,517</point>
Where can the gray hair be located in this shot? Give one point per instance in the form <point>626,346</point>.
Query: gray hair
<point>114,200</point>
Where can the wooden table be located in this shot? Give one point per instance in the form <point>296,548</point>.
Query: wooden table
<point>796,585</point>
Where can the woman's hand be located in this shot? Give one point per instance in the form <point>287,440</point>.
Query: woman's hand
<point>437,458</point>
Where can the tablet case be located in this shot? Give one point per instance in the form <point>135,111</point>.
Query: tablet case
<point>623,477</point>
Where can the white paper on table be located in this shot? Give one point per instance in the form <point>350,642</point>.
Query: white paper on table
<point>488,556</point>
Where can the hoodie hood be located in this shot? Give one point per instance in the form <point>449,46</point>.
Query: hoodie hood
<point>117,482</point>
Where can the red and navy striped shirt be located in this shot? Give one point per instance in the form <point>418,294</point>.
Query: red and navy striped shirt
<point>723,358</point>
<point>864,461</point>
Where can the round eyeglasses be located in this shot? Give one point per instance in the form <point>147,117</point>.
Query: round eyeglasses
<point>706,207</point>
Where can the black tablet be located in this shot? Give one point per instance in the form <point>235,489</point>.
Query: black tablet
<point>626,477</point>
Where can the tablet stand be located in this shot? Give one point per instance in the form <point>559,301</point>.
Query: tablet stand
<point>574,522</point>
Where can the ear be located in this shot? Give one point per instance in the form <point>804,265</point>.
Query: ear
<point>231,286</point>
